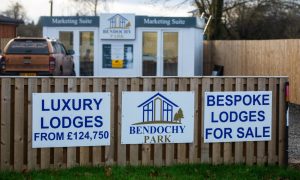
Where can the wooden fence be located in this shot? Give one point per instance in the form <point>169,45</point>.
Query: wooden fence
<point>257,58</point>
<point>3,42</point>
<point>16,124</point>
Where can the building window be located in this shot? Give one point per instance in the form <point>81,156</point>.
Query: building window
<point>148,112</point>
<point>167,112</point>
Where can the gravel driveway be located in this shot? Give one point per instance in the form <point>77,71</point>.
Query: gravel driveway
<point>294,134</point>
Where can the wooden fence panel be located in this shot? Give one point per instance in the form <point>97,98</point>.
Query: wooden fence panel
<point>31,152</point>
<point>19,124</point>
<point>250,144</point>
<point>58,152</point>
<point>256,58</point>
<point>193,147</point>
<point>158,148</point>
<point>204,146</point>
<point>238,156</point>
<point>272,144</point>
<point>71,151</point>
<point>228,158</point>
<point>97,151</point>
<point>6,125</point>
<point>261,158</point>
<point>282,123</point>
<point>170,148</point>
<point>146,148</point>
<point>182,148</point>
<point>16,120</point>
<point>134,148</point>
<point>110,150</point>
<point>84,151</point>
<point>216,154</point>
<point>121,158</point>
<point>45,152</point>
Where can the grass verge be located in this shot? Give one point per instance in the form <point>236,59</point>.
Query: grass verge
<point>172,172</point>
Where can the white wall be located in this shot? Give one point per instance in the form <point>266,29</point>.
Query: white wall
<point>198,52</point>
<point>190,55</point>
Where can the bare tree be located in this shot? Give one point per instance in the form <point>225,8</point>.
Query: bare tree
<point>16,11</point>
<point>93,5</point>
<point>240,18</point>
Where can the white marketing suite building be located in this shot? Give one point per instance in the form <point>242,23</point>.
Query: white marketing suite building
<point>128,45</point>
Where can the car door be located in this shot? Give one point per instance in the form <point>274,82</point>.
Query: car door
<point>67,61</point>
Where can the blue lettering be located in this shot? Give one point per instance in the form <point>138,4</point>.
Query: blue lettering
<point>131,130</point>
<point>88,123</point>
<point>237,98</point>
<point>220,99</point>
<point>78,124</point>
<point>223,116</point>
<point>261,116</point>
<point>36,135</point>
<point>266,131</point>
<point>210,100</point>
<point>240,132</point>
<point>229,101</point>
<point>99,122</point>
<point>74,105</point>
<point>53,107</point>
<point>233,116</point>
<point>249,100</point>
<point>256,133</point>
<point>265,99</point>
<point>256,99</point>
<point>216,135</point>
<point>243,116</point>
<point>227,132</point>
<point>208,132</point>
<point>87,104</point>
<point>52,122</point>
<point>212,118</point>
<point>42,124</point>
<point>43,106</point>
<point>98,103</point>
<point>249,133</point>
<point>66,104</point>
<point>252,116</point>
<point>66,122</point>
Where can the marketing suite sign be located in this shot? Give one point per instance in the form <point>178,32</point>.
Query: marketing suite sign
<point>70,119</point>
<point>157,117</point>
<point>117,26</point>
<point>237,116</point>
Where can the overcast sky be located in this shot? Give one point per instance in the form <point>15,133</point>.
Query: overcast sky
<point>37,8</point>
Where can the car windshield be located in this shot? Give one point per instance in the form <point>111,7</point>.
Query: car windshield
<point>24,46</point>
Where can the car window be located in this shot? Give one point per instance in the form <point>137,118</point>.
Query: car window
<point>55,50</point>
<point>24,46</point>
<point>63,49</point>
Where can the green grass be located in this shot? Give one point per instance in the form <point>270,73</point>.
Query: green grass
<point>172,172</point>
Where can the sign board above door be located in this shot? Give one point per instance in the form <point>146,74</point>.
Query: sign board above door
<point>117,26</point>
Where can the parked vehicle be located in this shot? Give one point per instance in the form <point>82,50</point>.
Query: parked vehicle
<point>36,56</point>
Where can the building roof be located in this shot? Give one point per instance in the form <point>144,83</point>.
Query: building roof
<point>160,95</point>
<point>8,20</point>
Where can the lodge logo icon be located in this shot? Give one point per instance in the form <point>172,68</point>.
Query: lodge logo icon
<point>159,110</point>
<point>119,22</point>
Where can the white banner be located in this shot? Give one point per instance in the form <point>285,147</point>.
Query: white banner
<point>117,26</point>
<point>70,119</point>
<point>237,116</point>
<point>157,117</point>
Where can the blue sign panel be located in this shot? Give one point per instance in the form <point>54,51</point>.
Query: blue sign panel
<point>70,21</point>
<point>146,21</point>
